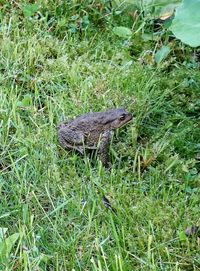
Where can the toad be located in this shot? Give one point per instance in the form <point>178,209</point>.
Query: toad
<point>92,131</point>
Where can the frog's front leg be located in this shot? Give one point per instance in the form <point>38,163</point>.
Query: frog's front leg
<point>69,139</point>
<point>103,147</point>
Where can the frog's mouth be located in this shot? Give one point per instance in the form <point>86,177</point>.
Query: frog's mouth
<point>130,117</point>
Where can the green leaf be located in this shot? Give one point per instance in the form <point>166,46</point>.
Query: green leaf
<point>26,101</point>
<point>182,236</point>
<point>186,23</point>
<point>6,246</point>
<point>29,10</point>
<point>162,53</point>
<point>85,22</point>
<point>122,31</point>
<point>167,11</point>
<point>153,7</point>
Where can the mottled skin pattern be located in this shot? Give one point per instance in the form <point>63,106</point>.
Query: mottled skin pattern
<point>92,131</point>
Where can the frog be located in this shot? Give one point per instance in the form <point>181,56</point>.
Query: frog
<point>92,131</point>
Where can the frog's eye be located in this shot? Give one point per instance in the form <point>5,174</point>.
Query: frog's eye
<point>122,117</point>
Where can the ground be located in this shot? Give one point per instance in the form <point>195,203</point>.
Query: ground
<point>52,215</point>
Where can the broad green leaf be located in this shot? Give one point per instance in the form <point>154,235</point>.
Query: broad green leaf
<point>154,7</point>
<point>152,2</point>
<point>186,23</point>
<point>162,53</point>
<point>122,31</point>
<point>29,10</point>
<point>6,246</point>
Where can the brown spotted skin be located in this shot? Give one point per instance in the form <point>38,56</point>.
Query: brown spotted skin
<point>92,131</point>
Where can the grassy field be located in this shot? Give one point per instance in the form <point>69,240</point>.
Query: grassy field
<point>52,216</point>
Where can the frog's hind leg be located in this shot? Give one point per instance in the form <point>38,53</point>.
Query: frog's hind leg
<point>70,139</point>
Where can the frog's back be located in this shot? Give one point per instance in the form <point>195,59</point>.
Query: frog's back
<point>94,122</point>
<point>88,122</point>
<point>97,118</point>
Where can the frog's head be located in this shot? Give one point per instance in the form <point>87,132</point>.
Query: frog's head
<point>118,117</point>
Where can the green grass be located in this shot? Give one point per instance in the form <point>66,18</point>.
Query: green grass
<point>52,199</point>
